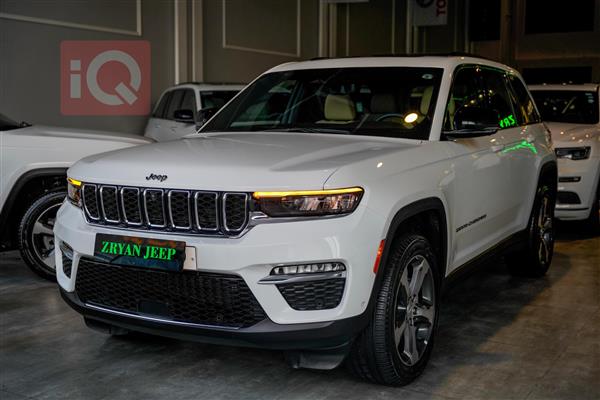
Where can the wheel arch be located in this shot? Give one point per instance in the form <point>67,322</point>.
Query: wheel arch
<point>27,187</point>
<point>426,216</point>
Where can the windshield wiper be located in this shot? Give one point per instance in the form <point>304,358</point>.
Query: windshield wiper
<point>308,130</point>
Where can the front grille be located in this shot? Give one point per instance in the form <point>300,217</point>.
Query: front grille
<point>195,212</point>
<point>313,295</point>
<point>188,296</point>
<point>567,198</point>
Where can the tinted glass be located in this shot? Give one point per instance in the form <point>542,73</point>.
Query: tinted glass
<point>498,98</point>
<point>175,103</point>
<point>189,101</point>
<point>577,107</point>
<point>523,103</point>
<point>162,106</point>
<point>216,99</point>
<point>393,102</point>
<point>7,124</point>
<point>467,89</point>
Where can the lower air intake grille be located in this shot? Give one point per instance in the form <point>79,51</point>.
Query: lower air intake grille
<point>313,295</point>
<point>567,198</point>
<point>187,296</point>
<point>67,264</point>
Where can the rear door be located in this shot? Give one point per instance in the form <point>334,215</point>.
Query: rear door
<point>523,148</point>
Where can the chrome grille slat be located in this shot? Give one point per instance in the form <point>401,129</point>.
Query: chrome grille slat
<point>168,210</point>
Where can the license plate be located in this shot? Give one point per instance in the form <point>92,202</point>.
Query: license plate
<point>140,252</point>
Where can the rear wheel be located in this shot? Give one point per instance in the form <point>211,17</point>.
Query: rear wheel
<point>395,348</point>
<point>36,236</point>
<point>535,257</point>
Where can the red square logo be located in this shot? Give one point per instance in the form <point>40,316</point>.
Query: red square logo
<point>108,77</point>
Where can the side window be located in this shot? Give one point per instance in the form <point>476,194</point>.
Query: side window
<point>175,103</point>
<point>159,112</point>
<point>524,105</point>
<point>467,90</point>
<point>189,101</point>
<point>498,97</point>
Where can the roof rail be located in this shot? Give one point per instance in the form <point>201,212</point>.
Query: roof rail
<point>451,54</point>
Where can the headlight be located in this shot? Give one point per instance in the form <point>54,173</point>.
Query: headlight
<point>304,203</point>
<point>573,153</point>
<point>74,191</point>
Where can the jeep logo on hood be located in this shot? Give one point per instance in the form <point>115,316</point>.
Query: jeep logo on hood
<point>154,177</point>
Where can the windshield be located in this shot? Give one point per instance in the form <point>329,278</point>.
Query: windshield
<point>7,124</point>
<point>393,102</point>
<point>216,99</point>
<point>571,106</point>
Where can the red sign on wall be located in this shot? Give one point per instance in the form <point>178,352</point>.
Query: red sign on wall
<point>105,77</point>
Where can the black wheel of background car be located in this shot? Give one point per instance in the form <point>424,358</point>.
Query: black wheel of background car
<point>395,348</point>
<point>36,237</point>
<point>592,223</point>
<point>535,257</point>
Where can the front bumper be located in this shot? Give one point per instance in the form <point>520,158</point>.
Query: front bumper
<point>352,240</point>
<point>265,334</point>
<point>589,172</point>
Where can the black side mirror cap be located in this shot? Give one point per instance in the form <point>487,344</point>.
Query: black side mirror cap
<point>186,116</point>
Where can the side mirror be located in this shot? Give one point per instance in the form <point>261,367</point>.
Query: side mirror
<point>474,122</point>
<point>185,116</point>
<point>204,115</point>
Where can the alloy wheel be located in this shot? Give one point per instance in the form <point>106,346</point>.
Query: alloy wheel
<point>42,236</point>
<point>414,311</point>
<point>545,231</point>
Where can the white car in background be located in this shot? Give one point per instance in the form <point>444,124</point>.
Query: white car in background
<point>183,108</point>
<point>572,113</point>
<point>319,212</point>
<point>33,182</point>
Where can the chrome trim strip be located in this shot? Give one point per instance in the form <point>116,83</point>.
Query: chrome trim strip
<point>189,225</point>
<point>198,226</point>
<point>161,320</point>
<point>295,278</point>
<point>162,206</point>
<point>113,221</point>
<point>137,195</point>
<point>223,206</point>
<point>85,208</point>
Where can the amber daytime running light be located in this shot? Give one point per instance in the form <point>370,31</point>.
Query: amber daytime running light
<point>74,191</point>
<point>299,203</point>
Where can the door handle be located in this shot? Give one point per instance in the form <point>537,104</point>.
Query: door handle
<point>498,148</point>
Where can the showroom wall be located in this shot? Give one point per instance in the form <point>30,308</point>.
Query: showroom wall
<point>30,38</point>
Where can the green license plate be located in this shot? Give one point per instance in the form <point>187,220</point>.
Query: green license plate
<point>140,252</point>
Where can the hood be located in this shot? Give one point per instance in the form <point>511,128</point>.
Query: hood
<point>236,161</point>
<point>564,134</point>
<point>76,133</point>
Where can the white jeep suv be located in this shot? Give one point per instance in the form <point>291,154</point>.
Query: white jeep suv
<point>572,113</point>
<point>319,212</point>
<point>183,108</point>
<point>33,168</point>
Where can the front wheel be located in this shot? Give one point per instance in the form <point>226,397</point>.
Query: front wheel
<point>36,236</point>
<point>534,258</point>
<point>395,348</point>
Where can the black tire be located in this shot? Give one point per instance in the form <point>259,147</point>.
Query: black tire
<point>34,245</point>
<point>375,354</point>
<point>534,259</point>
<point>592,223</point>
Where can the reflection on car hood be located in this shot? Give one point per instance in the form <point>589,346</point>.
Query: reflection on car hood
<point>237,161</point>
<point>566,135</point>
<point>60,132</point>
